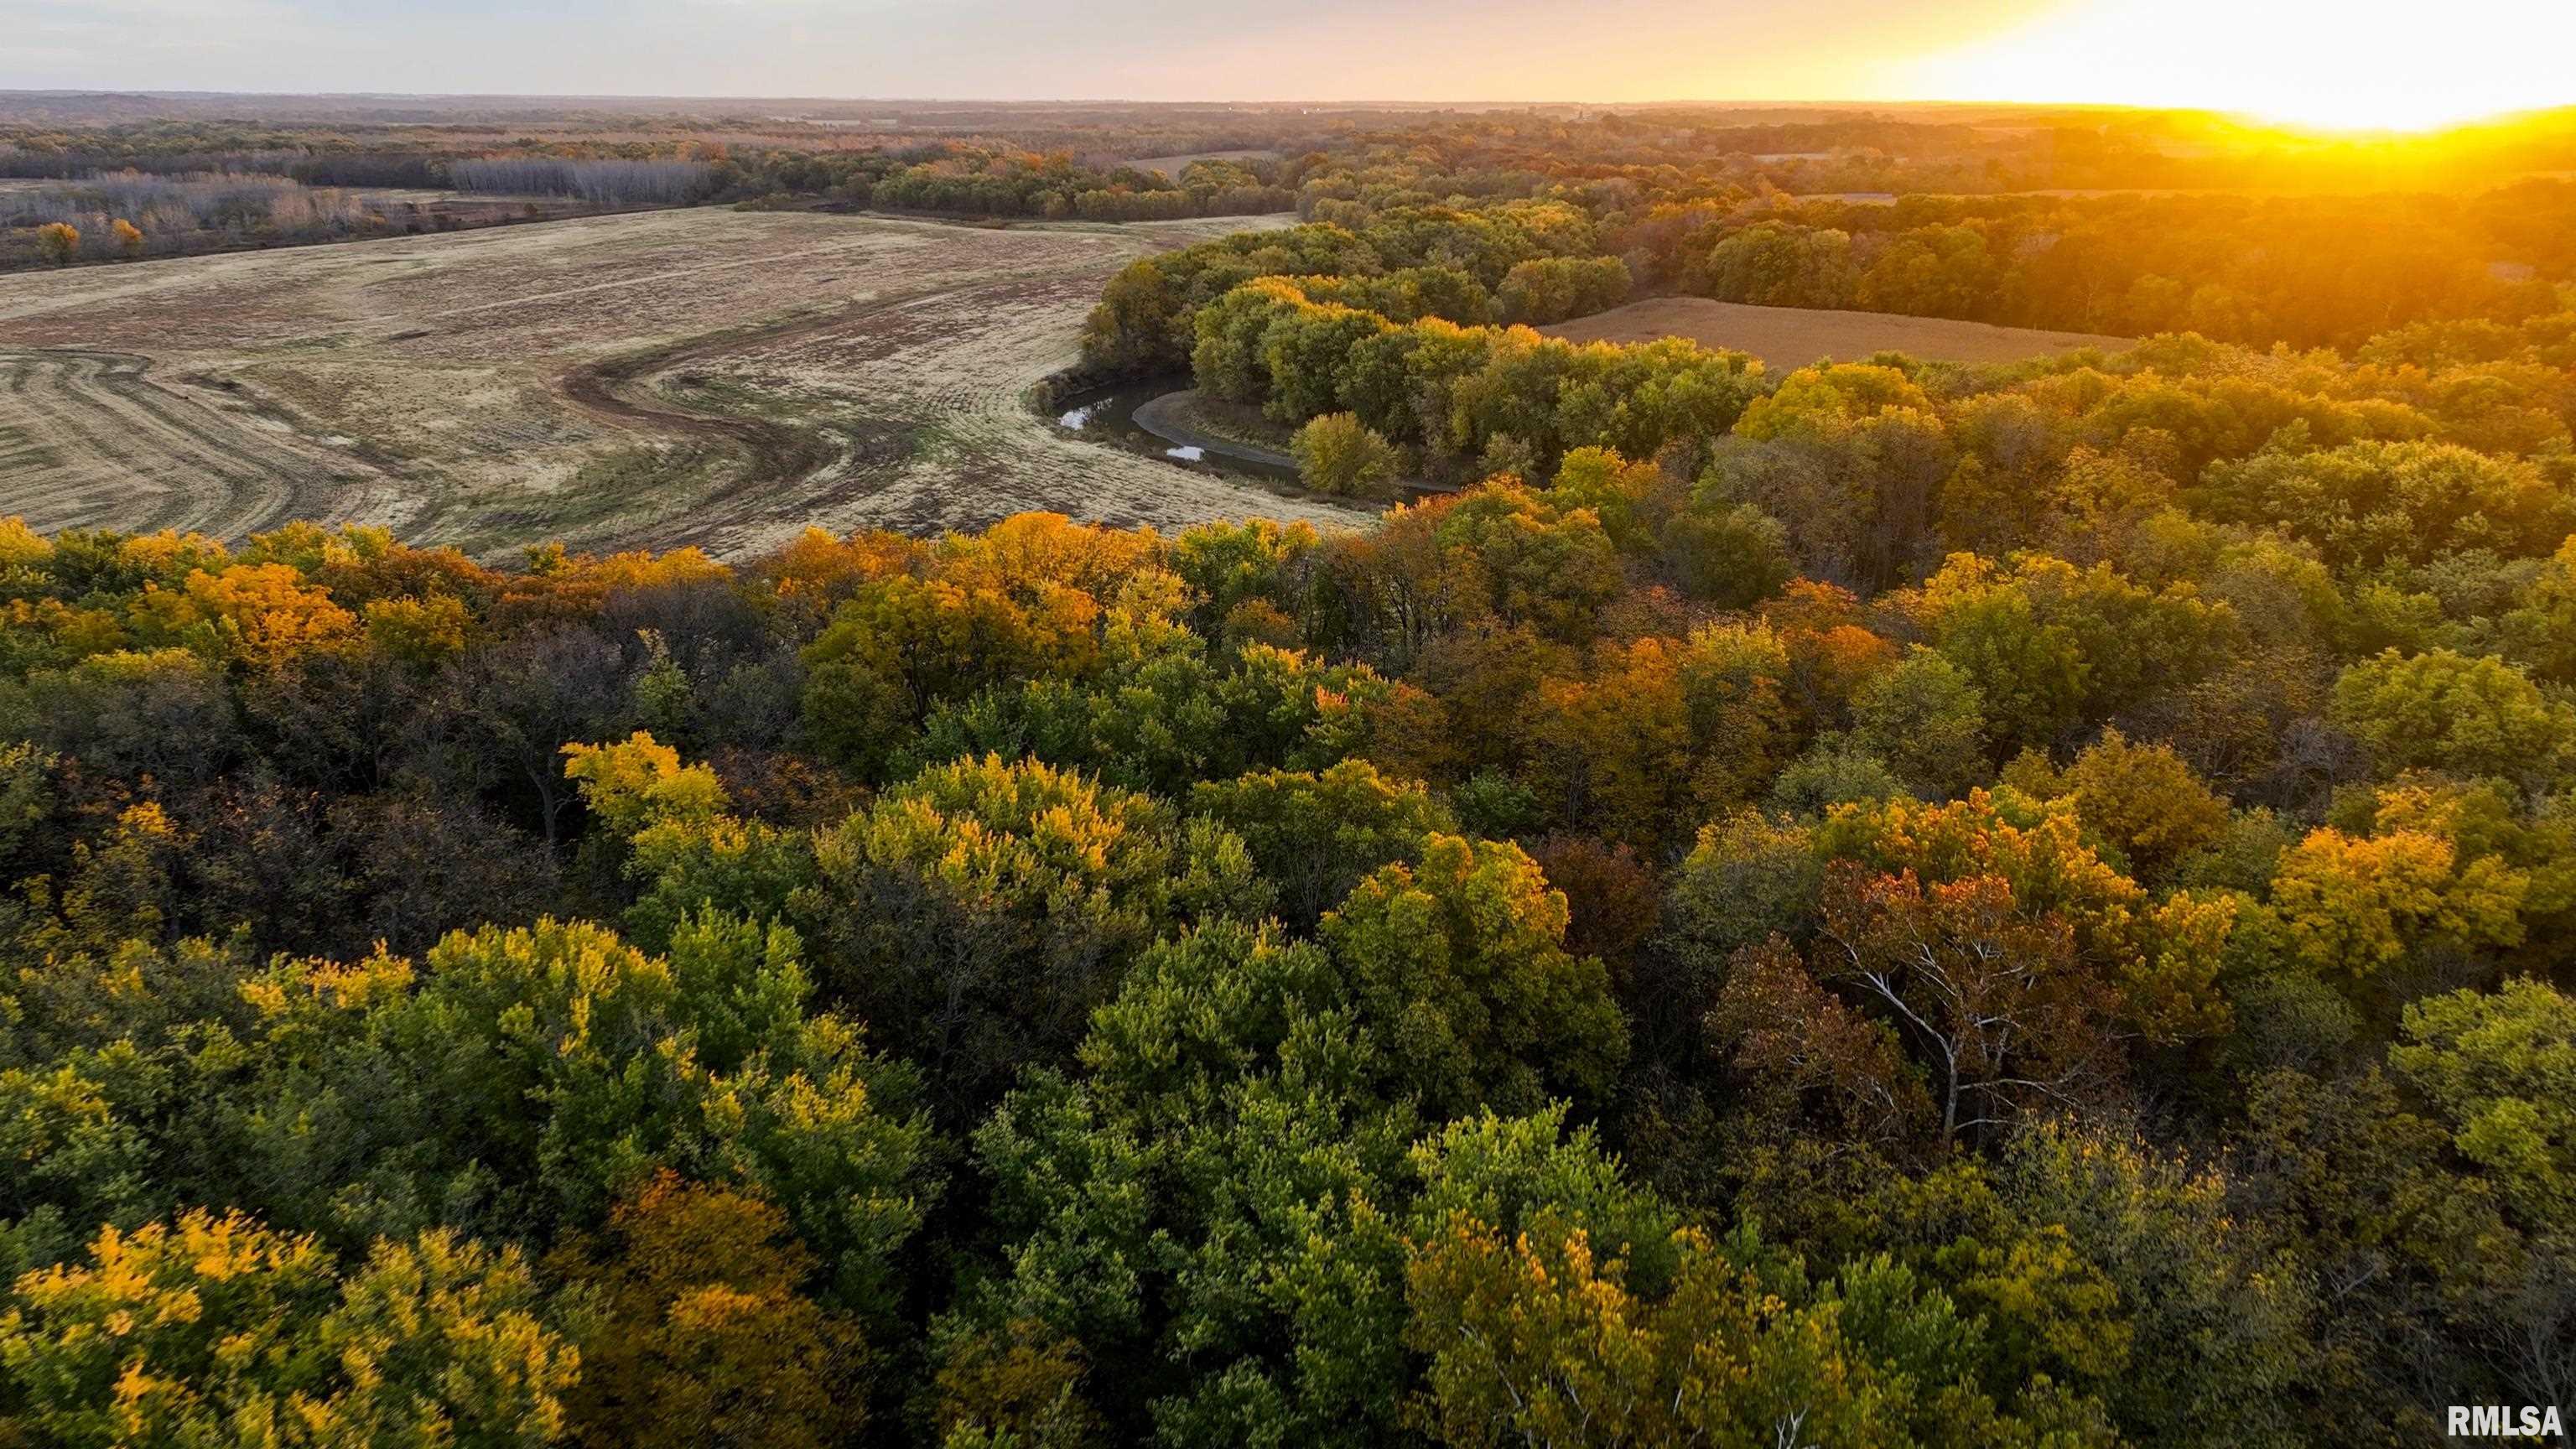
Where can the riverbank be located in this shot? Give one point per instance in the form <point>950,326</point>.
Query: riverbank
<point>1191,419</point>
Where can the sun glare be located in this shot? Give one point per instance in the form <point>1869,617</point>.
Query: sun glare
<point>2350,65</point>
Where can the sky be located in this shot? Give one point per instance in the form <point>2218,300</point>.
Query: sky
<point>2357,62</point>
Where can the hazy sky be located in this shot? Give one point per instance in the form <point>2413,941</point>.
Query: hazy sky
<point>2358,53</point>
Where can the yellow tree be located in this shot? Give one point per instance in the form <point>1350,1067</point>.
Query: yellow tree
<point>696,1332</point>
<point>59,241</point>
<point>217,1330</point>
<point>1337,453</point>
<point>1535,1338</point>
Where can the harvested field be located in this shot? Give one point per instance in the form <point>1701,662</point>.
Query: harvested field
<point>102,440</point>
<point>1174,165</point>
<point>1796,336</point>
<point>662,378</point>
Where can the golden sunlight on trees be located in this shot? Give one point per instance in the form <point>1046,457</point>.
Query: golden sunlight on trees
<point>1339,454</point>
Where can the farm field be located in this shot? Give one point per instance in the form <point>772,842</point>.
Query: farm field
<point>1175,165</point>
<point>1796,336</point>
<point>658,379</point>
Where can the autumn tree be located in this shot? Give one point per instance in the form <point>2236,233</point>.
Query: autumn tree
<point>1338,454</point>
<point>2145,801</point>
<point>2357,906</point>
<point>983,910</point>
<point>1992,999</point>
<point>59,241</point>
<point>214,1327</point>
<point>1461,959</point>
<point>695,1328</point>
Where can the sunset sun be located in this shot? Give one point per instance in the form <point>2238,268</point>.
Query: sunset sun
<point>2363,66</point>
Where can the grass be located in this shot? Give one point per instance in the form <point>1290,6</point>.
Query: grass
<point>605,488</point>
<point>1233,421</point>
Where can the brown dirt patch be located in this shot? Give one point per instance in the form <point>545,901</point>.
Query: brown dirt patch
<point>1785,337</point>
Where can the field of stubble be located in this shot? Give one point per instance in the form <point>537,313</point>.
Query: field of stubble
<point>687,377</point>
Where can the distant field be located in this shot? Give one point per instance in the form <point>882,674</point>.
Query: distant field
<point>703,376</point>
<point>1175,165</point>
<point>1796,336</point>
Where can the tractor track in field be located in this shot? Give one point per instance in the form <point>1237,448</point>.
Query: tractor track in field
<point>801,470</point>
<point>618,391</point>
<point>651,381</point>
<point>101,441</point>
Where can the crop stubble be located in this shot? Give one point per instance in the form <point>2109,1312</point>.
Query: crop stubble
<point>706,377</point>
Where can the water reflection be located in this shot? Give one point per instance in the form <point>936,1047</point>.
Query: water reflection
<point>1109,416</point>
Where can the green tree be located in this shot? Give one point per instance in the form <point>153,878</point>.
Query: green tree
<point>1734,557</point>
<point>2371,503</point>
<point>521,1081</point>
<point>1557,1304</point>
<point>1551,289</point>
<point>2218,1323</point>
<point>1196,1230</point>
<point>1338,454</point>
<point>1461,960</point>
<point>2501,1069</point>
<point>1926,720</point>
<point>2377,1209</point>
<point>979,913</point>
<point>682,846</point>
<point>2442,710</point>
<point>1317,835</point>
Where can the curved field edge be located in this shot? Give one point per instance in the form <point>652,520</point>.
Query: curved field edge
<point>712,378</point>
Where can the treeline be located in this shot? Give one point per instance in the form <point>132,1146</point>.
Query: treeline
<point>600,181</point>
<point>972,180</point>
<point>187,202</point>
<point>1407,263</point>
<point>1329,318</point>
<point>2307,271</point>
<point>307,168</point>
<point>127,216</point>
<point>1666,153</point>
<point>1917,906</point>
